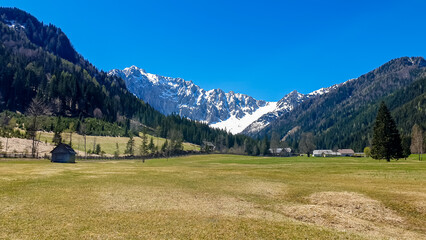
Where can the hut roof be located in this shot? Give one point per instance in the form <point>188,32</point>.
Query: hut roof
<point>63,148</point>
<point>319,152</point>
<point>346,151</point>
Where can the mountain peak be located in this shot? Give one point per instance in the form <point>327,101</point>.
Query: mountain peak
<point>293,93</point>
<point>175,95</point>
<point>133,69</point>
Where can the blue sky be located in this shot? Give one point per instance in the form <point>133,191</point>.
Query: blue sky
<point>261,48</point>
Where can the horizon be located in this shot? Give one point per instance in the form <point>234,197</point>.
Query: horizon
<point>289,46</point>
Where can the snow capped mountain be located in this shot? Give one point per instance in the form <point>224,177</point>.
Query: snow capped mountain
<point>286,104</point>
<point>175,95</point>
<point>237,125</point>
<point>232,111</point>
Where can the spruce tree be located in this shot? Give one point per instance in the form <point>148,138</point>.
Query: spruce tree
<point>130,146</point>
<point>57,137</point>
<point>151,145</point>
<point>386,139</point>
<point>144,144</point>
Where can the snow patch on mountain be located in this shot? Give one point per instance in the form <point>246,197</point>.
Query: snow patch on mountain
<point>175,95</point>
<point>235,112</point>
<point>236,125</point>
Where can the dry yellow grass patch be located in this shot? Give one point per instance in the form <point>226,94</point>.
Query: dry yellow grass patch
<point>143,199</point>
<point>259,188</point>
<point>348,211</point>
<point>25,145</point>
<point>418,199</point>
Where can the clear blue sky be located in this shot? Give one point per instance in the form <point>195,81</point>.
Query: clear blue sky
<point>261,48</point>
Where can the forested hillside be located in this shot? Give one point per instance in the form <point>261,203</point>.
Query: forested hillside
<point>38,61</point>
<point>343,117</point>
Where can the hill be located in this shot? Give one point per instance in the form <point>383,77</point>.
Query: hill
<point>38,61</point>
<point>343,117</point>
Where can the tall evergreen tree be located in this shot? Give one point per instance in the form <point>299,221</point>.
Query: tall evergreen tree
<point>130,146</point>
<point>57,137</point>
<point>386,139</point>
<point>151,146</point>
<point>144,144</point>
<point>264,146</point>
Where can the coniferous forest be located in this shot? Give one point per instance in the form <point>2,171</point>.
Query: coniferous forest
<point>38,61</point>
<point>344,117</point>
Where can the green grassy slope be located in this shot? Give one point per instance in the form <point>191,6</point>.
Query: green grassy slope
<point>108,144</point>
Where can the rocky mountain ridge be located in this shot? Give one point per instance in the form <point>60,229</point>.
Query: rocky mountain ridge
<point>232,111</point>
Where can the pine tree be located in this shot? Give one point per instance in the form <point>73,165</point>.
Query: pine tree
<point>98,149</point>
<point>144,144</point>
<point>151,145</point>
<point>165,149</point>
<point>264,148</point>
<point>130,146</point>
<point>386,139</point>
<point>117,151</point>
<point>57,137</point>
<point>405,143</point>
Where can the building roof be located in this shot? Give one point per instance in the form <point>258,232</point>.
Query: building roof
<point>322,151</point>
<point>346,151</point>
<point>63,148</point>
<point>208,144</point>
<point>279,150</point>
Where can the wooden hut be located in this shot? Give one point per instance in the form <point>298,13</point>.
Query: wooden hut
<point>63,153</point>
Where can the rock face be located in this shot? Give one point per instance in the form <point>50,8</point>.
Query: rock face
<point>285,105</point>
<point>175,95</point>
<point>232,111</point>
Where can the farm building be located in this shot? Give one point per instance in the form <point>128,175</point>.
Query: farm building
<point>346,152</point>
<point>208,146</point>
<point>63,153</point>
<point>325,153</point>
<point>280,151</point>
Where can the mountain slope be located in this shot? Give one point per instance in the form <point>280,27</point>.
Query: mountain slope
<point>175,95</point>
<point>343,117</point>
<point>232,111</point>
<point>285,105</point>
<point>39,62</point>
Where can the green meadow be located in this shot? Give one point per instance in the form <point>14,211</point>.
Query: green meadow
<point>109,144</point>
<point>214,197</point>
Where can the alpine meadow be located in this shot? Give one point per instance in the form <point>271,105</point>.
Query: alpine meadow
<point>185,123</point>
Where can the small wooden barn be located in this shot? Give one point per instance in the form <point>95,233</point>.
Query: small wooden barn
<point>63,153</point>
<point>208,146</point>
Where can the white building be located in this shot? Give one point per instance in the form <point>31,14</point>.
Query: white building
<point>325,153</point>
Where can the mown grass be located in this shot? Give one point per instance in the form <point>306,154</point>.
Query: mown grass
<point>108,144</point>
<point>208,197</point>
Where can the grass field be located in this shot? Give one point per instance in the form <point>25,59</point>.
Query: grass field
<point>214,197</point>
<point>108,144</point>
